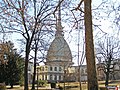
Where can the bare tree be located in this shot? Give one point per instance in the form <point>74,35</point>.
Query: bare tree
<point>108,50</point>
<point>24,17</point>
<point>39,47</point>
<point>35,48</point>
<point>90,56</point>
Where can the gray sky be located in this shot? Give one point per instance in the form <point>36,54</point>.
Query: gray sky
<point>105,24</point>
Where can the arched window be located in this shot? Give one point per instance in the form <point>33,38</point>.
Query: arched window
<point>55,69</point>
<point>59,77</point>
<point>50,68</point>
<point>42,68</point>
<point>46,68</point>
<point>60,68</point>
<point>55,77</point>
<point>45,77</point>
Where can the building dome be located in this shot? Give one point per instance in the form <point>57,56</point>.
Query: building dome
<point>59,51</point>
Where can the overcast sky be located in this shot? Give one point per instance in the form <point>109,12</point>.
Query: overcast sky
<point>105,23</point>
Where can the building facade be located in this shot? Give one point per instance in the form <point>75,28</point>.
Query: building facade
<point>50,73</point>
<point>59,74</point>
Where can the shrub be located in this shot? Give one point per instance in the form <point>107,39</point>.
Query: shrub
<point>42,82</point>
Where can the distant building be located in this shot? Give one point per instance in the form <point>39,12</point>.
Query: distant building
<point>50,73</point>
<point>30,71</point>
<point>115,70</point>
<point>58,74</point>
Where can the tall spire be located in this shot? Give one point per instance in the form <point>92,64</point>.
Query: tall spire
<point>58,24</point>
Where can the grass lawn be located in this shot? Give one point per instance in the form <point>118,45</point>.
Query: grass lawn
<point>84,85</point>
<point>72,85</point>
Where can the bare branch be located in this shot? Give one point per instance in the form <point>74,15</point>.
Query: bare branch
<point>57,7</point>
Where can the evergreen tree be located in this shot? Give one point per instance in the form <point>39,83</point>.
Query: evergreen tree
<point>11,72</point>
<point>14,69</point>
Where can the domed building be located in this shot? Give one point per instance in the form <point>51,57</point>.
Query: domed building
<point>58,58</point>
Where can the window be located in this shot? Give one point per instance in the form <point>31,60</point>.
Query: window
<point>42,68</point>
<point>82,71</point>
<point>42,77</point>
<point>50,77</point>
<point>60,68</point>
<point>55,69</point>
<point>45,77</point>
<point>55,77</point>
<point>45,68</point>
<point>50,68</point>
<point>59,77</point>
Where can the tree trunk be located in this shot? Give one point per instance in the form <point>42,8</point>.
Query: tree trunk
<point>90,57</point>
<point>107,79</point>
<point>26,74</point>
<point>26,66</point>
<point>34,74</point>
<point>11,85</point>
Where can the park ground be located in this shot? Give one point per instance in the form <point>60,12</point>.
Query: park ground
<point>69,86</point>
